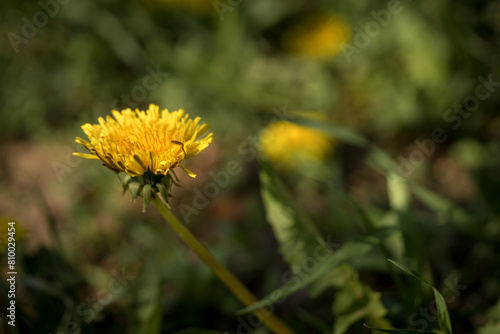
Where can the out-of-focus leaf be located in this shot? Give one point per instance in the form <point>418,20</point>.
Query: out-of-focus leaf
<point>494,312</point>
<point>299,239</point>
<point>296,233</point>
<point>348,251</point>
<point>493,324</point>
<point>147,306</point>
<point>443,316</point>
<point>293,229</point>
<point>348,310</point>
<point>490,329</point>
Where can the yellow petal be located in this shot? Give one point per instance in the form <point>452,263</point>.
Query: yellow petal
<point>203,128</point>
<point>86,156</point>
<point>193,175</point>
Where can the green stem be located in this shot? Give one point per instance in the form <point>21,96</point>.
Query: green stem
<point>238,289</point>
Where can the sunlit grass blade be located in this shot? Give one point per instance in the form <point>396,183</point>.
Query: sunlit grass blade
<point>348,251</point>
<point>443,315</point>
<point>398,192</point>
<point>399,196</point>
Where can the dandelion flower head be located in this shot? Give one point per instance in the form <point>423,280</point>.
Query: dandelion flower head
<point>138,142</point>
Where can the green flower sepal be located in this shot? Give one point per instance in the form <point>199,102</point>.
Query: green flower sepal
<point>148,185</point>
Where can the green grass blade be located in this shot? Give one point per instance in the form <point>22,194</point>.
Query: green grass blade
<point>412,272</point>
<point>443,315</point>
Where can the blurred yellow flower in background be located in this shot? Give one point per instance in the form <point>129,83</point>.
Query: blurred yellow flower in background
<point>137,142</point>
<point>317,37</point>
<point>290,145</point>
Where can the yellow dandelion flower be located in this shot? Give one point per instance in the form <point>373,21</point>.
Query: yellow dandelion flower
<point>136,142</point>
<point>317,37</point>
<point>288,144</point>
<point>146,145</point>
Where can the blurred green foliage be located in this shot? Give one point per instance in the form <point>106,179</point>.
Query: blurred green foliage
<point>90,262</point>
